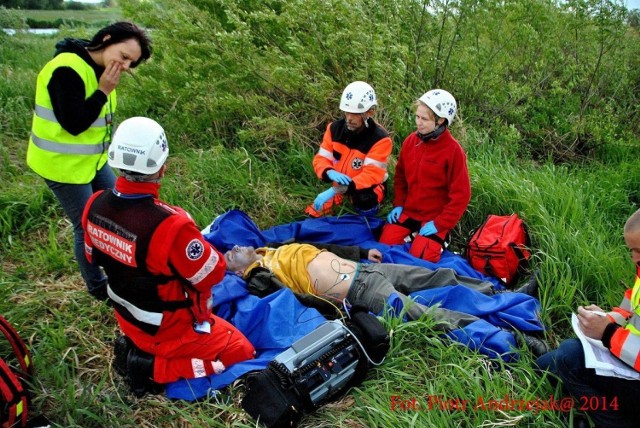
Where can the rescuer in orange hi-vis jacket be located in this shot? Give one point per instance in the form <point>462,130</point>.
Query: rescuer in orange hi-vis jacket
<point>610,401</point>
<point>353,155</point>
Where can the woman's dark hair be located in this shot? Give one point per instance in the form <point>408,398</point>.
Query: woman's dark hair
<point>120,32</point>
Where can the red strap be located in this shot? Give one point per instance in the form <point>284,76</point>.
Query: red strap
<point>13,397</point>
<point>19,348</point>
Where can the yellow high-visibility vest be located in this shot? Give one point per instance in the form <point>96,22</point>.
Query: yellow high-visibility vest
<point>55,154</point>
<point>633,323</point>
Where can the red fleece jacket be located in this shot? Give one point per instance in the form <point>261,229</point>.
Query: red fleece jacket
<point>432,180</point>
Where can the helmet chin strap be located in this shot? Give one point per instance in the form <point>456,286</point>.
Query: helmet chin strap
<point>365,119</point>
<point>438,130</point>
<point>140,178</point>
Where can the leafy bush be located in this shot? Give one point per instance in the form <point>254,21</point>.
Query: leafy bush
<point>266,74</point>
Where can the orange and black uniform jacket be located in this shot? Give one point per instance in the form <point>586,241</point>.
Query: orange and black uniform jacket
<point>362,156</point>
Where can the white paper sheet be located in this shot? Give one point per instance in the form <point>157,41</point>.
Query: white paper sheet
<point>597,357</point>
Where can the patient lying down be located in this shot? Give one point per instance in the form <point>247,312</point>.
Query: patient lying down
<point>334,272</point>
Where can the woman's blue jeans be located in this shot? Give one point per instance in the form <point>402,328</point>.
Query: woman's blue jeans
<point>73,198</point>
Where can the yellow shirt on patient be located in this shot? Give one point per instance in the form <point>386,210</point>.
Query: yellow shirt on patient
<point>289,264</point>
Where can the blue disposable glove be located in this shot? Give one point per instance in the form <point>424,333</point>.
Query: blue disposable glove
<point>338,177</point>
<point>428,229</point>
<point>394,215</point>
<point>323,198</point>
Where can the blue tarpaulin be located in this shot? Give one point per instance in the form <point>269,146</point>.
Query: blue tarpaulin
<point>273,323</point>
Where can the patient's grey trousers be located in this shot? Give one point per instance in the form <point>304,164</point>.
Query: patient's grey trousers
<point>374,283</point>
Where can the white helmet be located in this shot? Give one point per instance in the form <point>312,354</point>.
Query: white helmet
<point>358,97</point>
<point>139,145</point>
<point>441,103</point>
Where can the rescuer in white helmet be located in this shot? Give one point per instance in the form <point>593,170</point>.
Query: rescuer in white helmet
<point>431,182</point>
<point>160,269</point>
<point>353,155</point>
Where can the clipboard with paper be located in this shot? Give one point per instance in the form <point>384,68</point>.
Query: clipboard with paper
<point>598,357</point>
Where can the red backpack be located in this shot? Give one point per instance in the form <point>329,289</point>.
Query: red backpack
<point>13,393</point>
<point>499,247</point>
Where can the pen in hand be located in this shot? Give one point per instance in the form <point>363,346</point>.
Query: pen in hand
<point>602,314</point>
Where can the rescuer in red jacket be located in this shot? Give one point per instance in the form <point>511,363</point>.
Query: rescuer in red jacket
<point>159,267</point>
<point>353,155</point>
<point>431,184</point>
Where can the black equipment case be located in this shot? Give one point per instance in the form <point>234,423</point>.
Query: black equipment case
<point>317,368</point>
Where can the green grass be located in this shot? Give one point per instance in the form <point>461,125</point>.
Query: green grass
<point>575,215</point>
<point>91,17</point>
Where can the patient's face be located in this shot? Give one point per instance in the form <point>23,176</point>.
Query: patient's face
<point>239,258</point>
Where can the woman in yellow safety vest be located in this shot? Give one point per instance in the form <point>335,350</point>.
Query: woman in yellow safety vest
<point>72,123</point>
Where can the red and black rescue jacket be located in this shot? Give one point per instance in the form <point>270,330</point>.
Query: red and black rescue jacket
<point>160,268</point>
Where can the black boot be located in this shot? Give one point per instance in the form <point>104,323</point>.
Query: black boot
<point>530,287</point>
<point>121,347</point>
<point>536,346</point>
<point>140,371</point>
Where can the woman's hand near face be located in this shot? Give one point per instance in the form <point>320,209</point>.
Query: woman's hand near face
<point>110,77</point>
